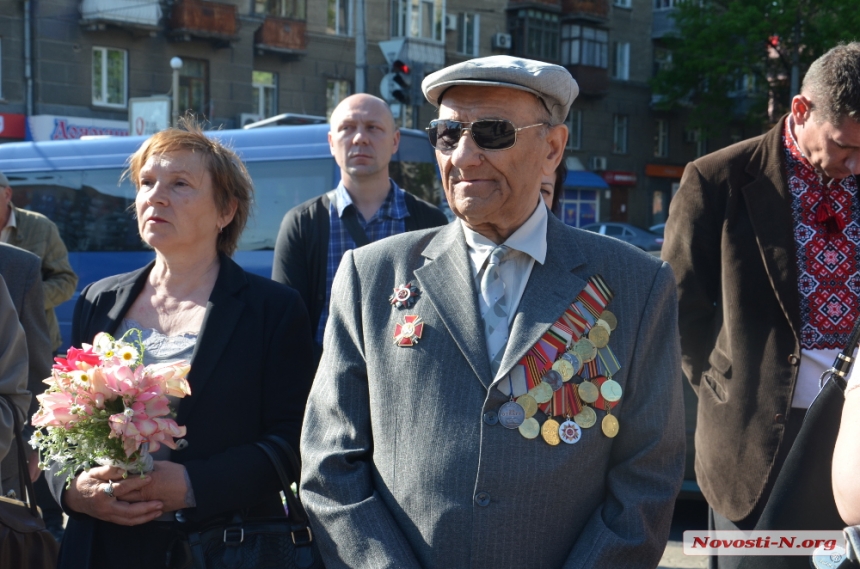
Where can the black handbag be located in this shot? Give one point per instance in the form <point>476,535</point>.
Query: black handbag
<point>270,543</point>
<point>24,541</point>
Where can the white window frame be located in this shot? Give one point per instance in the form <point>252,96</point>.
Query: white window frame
<point>661,138</point>
<point>620,128</point>
<point>407,19</point>
<point>462,45</point>
<point>350,16</point>
<point>622,3</point>
<point>664,4</point>
<point>265,90</point>
<point>341,89</point>
<point>574,129</point>
<point>580,43</point>
<point>701,143</point>
<point>621,68</point>
<point>102,52</point>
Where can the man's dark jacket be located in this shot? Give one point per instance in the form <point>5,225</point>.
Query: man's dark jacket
<point>730,241</point>
<point>301,251</point>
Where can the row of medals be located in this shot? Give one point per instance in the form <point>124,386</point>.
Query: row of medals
<point>519,413</point>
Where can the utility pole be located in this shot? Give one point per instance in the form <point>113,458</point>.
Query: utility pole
<point>360,48</point>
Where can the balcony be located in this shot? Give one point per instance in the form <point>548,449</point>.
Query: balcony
<point>662,24</point>
<point>590,10</point>
<point>592,81</point>
<point>133,14</point>
<point>284,36</point>
<point>202,19</point>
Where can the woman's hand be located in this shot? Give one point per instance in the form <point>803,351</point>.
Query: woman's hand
<point>87,496</point>
<point>169,485</point>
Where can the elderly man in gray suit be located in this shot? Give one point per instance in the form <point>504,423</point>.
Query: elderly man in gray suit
<point>515,402</point>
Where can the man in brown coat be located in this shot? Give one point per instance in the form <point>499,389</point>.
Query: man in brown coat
<point>764,239</point>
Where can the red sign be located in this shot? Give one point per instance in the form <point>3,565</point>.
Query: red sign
<point>615,178</point>
<point>664,171</point>
<point>11,126</point>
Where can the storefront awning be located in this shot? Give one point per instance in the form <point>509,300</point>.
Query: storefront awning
<point>585,179</point>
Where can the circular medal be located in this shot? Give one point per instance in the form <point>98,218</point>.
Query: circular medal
<point>529,405</point>
<point>610,426</point>
<point>611,390</point>
<point>598,336</point>
<point>603,324</point>
<point>585,349</point>
<point>565,368</point>
<point>553,378</point>
<point>574,361</point>
<point>541,392</point>
<point>511,415</point>
<point>569,432</point>
<point>588,392</point>
<point>610,319</point>
<point>530,428</point>
<point>549,432</point>
<point>586,418</point>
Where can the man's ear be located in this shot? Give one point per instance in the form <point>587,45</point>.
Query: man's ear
<point>556,139</point>
<point>801,107</point>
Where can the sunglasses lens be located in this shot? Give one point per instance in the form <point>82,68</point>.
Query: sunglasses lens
<point>444,135</point>
<point>494,134</point>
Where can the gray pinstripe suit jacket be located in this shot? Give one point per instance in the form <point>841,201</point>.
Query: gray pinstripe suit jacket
<point>395,448</point>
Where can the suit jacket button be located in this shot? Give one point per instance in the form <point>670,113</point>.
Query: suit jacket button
<point>779,418</point>
<point>793,359</point>
<point>491,417</point>
<point>482,499</point>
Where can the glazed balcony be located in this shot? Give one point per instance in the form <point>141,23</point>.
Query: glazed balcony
<point>203,19</point>
<point>282,35</point>
<point>132,14</point>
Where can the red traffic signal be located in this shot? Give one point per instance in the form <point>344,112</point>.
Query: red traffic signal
<point>400,67</point>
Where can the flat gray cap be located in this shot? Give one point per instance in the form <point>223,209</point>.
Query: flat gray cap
<point>553,84</point>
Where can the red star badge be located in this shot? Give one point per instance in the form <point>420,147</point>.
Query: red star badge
<point>408,333</point>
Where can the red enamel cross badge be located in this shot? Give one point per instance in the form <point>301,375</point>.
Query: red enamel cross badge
<point>408,333</point>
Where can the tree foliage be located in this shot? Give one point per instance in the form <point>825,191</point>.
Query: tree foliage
<point>733,59</point>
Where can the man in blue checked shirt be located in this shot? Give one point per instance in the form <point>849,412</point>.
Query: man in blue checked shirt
<point>365,207</point>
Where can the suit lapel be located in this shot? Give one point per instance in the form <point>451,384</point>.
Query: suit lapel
<point>446,280</point>
<point>223,312</point>
<point>126,293</point>
<point>769,203</point>
<point>550,290</point>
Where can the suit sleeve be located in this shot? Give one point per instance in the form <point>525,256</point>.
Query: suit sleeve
<point>353,525</point>
<point>13,370</point>
<point>38,338</point>
<point>59,280</point>
<point>692,247</point>
<point>631,527</point>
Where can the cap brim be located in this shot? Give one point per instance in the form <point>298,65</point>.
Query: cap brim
<point>436,92</point>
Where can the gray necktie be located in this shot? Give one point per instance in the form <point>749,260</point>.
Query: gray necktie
<point>496,316</point>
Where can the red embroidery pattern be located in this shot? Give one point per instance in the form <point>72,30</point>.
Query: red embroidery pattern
<point>828,259</point>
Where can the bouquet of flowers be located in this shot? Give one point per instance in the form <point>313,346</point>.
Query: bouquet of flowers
<point>104,407</point>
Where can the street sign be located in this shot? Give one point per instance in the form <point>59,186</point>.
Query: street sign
<point>148,115</point>
<point>391,49</point>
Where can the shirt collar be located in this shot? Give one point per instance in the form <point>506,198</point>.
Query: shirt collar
<point>393,207</point>
<point>529,238</point>
<point>11,221</point>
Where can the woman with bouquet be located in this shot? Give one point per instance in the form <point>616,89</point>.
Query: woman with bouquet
<point>248,341</point>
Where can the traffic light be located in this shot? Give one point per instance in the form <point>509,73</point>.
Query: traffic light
<point>402,91</point>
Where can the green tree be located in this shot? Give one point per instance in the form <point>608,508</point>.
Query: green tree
<point>734,59</point>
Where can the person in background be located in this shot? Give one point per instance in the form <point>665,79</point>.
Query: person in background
<point>552,189</point>
<point>762,237</point>
<point>14,397</point>
<point>248,341</point>
<point>21,271</point>
<point>365,207</point>
<point>36,233</point>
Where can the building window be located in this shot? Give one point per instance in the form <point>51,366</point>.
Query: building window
<point>469,28</point>
<point>663,4</point>
<point>295,9</point>
<point>109,76</point>
<point>619,134</point>
<point>194,86</point>
<point>621,69</point>
<point>574,129</point>
<point>340,17</point>
<point>661,138</point>
<point>622,3</point>
<point>418,19</point>
<point>265,89</point>
<point>536,34</point>
<point>336,90</point>
<point>662,59</point>
<point>581,45</point>
<point>701,144</point>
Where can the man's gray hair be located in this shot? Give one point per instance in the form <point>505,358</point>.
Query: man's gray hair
<point>833,83</point>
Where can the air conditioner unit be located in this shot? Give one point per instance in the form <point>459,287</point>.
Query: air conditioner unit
<point>597,163</point>
<point>451,22</point>
<point>501,41</point>
<point>248,118</point>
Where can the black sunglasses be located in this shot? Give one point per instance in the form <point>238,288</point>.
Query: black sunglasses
<point>488,134</point>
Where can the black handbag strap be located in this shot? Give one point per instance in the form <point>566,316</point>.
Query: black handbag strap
<point>297,514</point>
<point>350,221</point>
<point>23,471</point>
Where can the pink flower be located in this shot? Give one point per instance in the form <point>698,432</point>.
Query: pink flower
<point>77,359</point>
<point>171,377</point>
<point>55,410</point>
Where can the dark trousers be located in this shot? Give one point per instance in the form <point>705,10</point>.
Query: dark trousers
<point>718,522</point>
